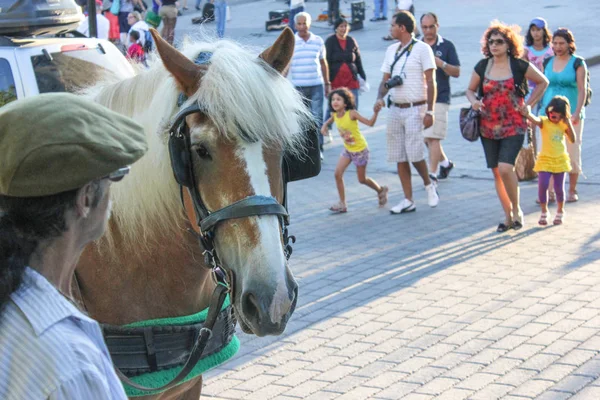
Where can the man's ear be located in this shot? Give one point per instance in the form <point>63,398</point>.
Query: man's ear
<point>84,200</point>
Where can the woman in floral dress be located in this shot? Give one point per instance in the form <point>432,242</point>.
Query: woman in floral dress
<point>498,88</point>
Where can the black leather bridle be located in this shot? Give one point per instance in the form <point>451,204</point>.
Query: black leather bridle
<point>181,162</point>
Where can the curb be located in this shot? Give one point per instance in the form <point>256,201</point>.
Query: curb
<point>590,61</point>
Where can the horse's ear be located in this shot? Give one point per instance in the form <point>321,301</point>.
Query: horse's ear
<point>187,74</point>
<point>280,53</point>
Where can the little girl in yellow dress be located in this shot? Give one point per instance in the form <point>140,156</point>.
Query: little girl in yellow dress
<point>553,160</point>
<point>356,149</point>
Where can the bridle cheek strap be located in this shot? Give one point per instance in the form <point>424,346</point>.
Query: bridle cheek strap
<point>248,207</point>
<point>190,212</point>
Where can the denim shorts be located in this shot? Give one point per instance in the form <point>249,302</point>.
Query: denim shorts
<point>502,150</point>
<point>360,158</point>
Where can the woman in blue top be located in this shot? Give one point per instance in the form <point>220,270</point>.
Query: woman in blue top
<point>567,74</point>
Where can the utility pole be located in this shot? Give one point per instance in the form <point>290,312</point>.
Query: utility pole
<point>92,18</point>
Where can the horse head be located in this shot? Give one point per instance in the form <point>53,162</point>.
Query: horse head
<point>245,115</point>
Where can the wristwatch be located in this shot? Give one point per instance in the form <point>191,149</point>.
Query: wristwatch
<point>444,65</point>
<point>429,112</point>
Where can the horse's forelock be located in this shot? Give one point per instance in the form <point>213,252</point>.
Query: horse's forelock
<point>249,100</point>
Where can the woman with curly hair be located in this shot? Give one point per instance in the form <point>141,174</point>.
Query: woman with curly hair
<point>567,74</point>
<point>497,89</point>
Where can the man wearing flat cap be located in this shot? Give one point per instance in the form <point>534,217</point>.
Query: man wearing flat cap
<point>59,155</point>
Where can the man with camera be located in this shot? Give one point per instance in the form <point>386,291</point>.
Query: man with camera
<point>408,75</point>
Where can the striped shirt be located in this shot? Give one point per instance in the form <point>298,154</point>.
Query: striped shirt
<point>50,350</point>
<point>306,66</point>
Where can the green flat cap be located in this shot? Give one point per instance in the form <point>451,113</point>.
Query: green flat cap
<point>57,142</point>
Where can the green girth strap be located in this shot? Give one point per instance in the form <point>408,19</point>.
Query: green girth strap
<point>216,303</point>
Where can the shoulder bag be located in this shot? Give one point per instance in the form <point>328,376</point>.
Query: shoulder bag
<point>469,123</point>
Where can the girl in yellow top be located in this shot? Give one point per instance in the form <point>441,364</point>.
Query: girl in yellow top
<point>553,159</point>
<point>341,102</point>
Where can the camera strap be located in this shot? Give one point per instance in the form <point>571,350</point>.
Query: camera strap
<point>406,50</point>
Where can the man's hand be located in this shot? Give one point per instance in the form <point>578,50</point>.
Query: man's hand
<point>427,121</point>
<point>439,62</point>
<point>379,104</point>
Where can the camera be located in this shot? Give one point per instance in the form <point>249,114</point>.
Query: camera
<point>393,82</point>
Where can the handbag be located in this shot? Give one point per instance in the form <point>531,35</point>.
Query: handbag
<point>153,19</point>
<point>469,123</point>
<point>526,158</point>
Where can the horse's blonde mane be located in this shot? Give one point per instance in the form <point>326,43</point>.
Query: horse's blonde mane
<point>243,97</point>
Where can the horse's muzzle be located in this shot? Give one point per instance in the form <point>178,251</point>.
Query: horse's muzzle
<point>267,315</point>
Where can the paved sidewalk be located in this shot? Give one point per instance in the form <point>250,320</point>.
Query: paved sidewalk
<point>433,304</point>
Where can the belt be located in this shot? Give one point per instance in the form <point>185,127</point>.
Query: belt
<point>409,105</point>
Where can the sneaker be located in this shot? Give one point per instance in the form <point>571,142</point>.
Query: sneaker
<point>432,195</point>
<point>404,206</point>
<point>374,19</point>
<point>433,179</point>
<point>445,171</point>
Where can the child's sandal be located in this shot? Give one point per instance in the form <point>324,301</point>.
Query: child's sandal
<point>383,196</point>
<point>338,208</point>
<point>544,217</point>
<point>558,219</point>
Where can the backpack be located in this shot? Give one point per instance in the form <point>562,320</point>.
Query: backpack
<point>518,68</point>
<point>148,42</point>
<point>577,64</point>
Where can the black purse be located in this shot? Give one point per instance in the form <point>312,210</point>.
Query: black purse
<point>469,120</point>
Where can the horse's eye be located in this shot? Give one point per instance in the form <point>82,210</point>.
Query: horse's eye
<point>203,152</point>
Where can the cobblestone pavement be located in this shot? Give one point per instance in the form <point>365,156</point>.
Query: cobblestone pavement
<point>434,304</point>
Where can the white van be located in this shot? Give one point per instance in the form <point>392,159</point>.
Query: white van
<point>29,66</point>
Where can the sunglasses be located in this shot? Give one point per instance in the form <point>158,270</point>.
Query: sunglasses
<point>498,42</point>
<point>118,174</point>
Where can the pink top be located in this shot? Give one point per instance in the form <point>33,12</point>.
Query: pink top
<point>537,57</point>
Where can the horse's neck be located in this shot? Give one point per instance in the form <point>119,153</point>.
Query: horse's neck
<point>166,280</point>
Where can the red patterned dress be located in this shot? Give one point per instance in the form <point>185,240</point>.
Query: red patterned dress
<point>500,117</point>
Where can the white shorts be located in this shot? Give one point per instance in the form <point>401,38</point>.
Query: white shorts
<point>405,134</point>
<point>439,130</point>
<point>574,149</point>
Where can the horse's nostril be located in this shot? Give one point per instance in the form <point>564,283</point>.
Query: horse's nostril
<point>250,307</point>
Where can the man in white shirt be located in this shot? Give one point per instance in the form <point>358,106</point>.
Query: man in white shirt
<point>309,72</point>
<point>102,23</point>
<point>408,75</point>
